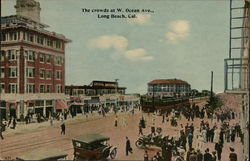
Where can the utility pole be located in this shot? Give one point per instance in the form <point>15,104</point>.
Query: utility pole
<point>153,99</point>
<point>211,92</point>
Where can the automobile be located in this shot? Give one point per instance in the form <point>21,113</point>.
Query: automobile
<point>149,140</point>
<point>93,147</point>
<point>43,155</point>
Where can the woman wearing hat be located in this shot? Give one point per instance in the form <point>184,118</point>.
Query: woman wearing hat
<point>232,155</point>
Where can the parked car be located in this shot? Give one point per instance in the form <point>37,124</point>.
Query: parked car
<point>43,155</point>
<point>93,147</point>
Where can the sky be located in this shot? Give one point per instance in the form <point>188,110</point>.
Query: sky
<point>182,39</point>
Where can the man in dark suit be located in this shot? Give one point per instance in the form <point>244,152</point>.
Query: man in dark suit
<point>63,129</point>
<point>128,146</point>
<point>207,155</point>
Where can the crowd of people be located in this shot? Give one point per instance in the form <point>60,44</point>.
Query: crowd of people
<point>215,127</point>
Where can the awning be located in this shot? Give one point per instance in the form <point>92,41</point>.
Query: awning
<point>60,104</point>
<point>11,102</point>
<point>75,99</point>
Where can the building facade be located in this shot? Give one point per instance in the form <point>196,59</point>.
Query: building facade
<point>169,88</point>
<point>98,93</point>
<point>32,63</point>
<point>237,67</point>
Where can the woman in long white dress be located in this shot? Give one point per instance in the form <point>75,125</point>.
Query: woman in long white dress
<point>200,143</point>
<point>216,135</point>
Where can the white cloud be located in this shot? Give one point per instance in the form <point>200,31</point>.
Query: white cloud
<point>137,55</point>
<point>120,46</point>
<point>109,41</point>
<point>140,19</point>
<point>180,31</point>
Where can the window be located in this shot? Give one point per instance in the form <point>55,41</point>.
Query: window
<point>41,58</point>
<point>2,72</point>
<point>48,74</point>
<point>49,42</point>
<point>58,44</point>
<point>49,103</point>
<point>31,55</point>
<point>58,60</point>
<point>30,72</point>
<point>40,40</point>
<point>30,37</point>
<point>12,72</point>
<point>58,75</point>
<point>2,55</point>
<point>13,88</point>
<point>13,35</point>
<point>3,37</point>
<point>2,90</point>
<point>39,103</point>
<point>41,73</point>
<point>42,89</point>
<point>11,55</point>
<point>30,88</point>
<point>48,88</point>
<point>47,57</point>
<point>58,88</point>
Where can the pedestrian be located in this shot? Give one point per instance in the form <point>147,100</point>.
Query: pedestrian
<point>140,129</point>
<point>232,155</point>
<point>153,130</point>
<point>179,157</point>
<point>193,156</point>
<point>207,155</point>
<point>216,135</point>
<point>1,131</point>
<point>14,123</point>
<point>163,118</point>
<point>116,121</point>
<point>146,155</point>
<point>51,121</point>
<point>159,157</point>
<point>128,146</point>
<point>190,140</point>
<point>199,155</point>
<point>218,148</point>
<point>62,129</point>
<point>200,142</point>
<point>214,156</point>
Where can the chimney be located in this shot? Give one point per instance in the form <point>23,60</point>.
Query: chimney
<point>29,9</point>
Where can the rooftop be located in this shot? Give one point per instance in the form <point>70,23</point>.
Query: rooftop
<point>168,81</point>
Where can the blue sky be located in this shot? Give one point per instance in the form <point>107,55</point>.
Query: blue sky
<point>181,39</point>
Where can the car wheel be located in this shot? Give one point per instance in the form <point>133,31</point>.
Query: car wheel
<point>139,144</point>
<point>113,153</point>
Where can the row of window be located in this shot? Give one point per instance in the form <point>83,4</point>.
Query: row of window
<point>30,73</point>
<point>168,90</point>
<point>39,39</point>
<point>30,88</point>
<point>30,55</point>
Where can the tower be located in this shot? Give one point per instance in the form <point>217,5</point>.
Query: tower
<point>29,9</point>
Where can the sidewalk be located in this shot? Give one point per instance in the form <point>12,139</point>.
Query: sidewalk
<point>22,127</point>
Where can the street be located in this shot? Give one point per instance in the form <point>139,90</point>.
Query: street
<point>49,136</point>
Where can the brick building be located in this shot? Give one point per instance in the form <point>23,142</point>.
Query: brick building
<point>32,63</point>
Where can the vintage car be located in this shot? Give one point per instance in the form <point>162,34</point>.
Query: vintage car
<point>44,155</point>
<point>93,147</point>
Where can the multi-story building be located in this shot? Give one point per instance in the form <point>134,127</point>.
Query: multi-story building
<point>32,63</point>
<point>105,93</point>
<point>169,88</point>
<point>95,88</point>
<point>237,65</point>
